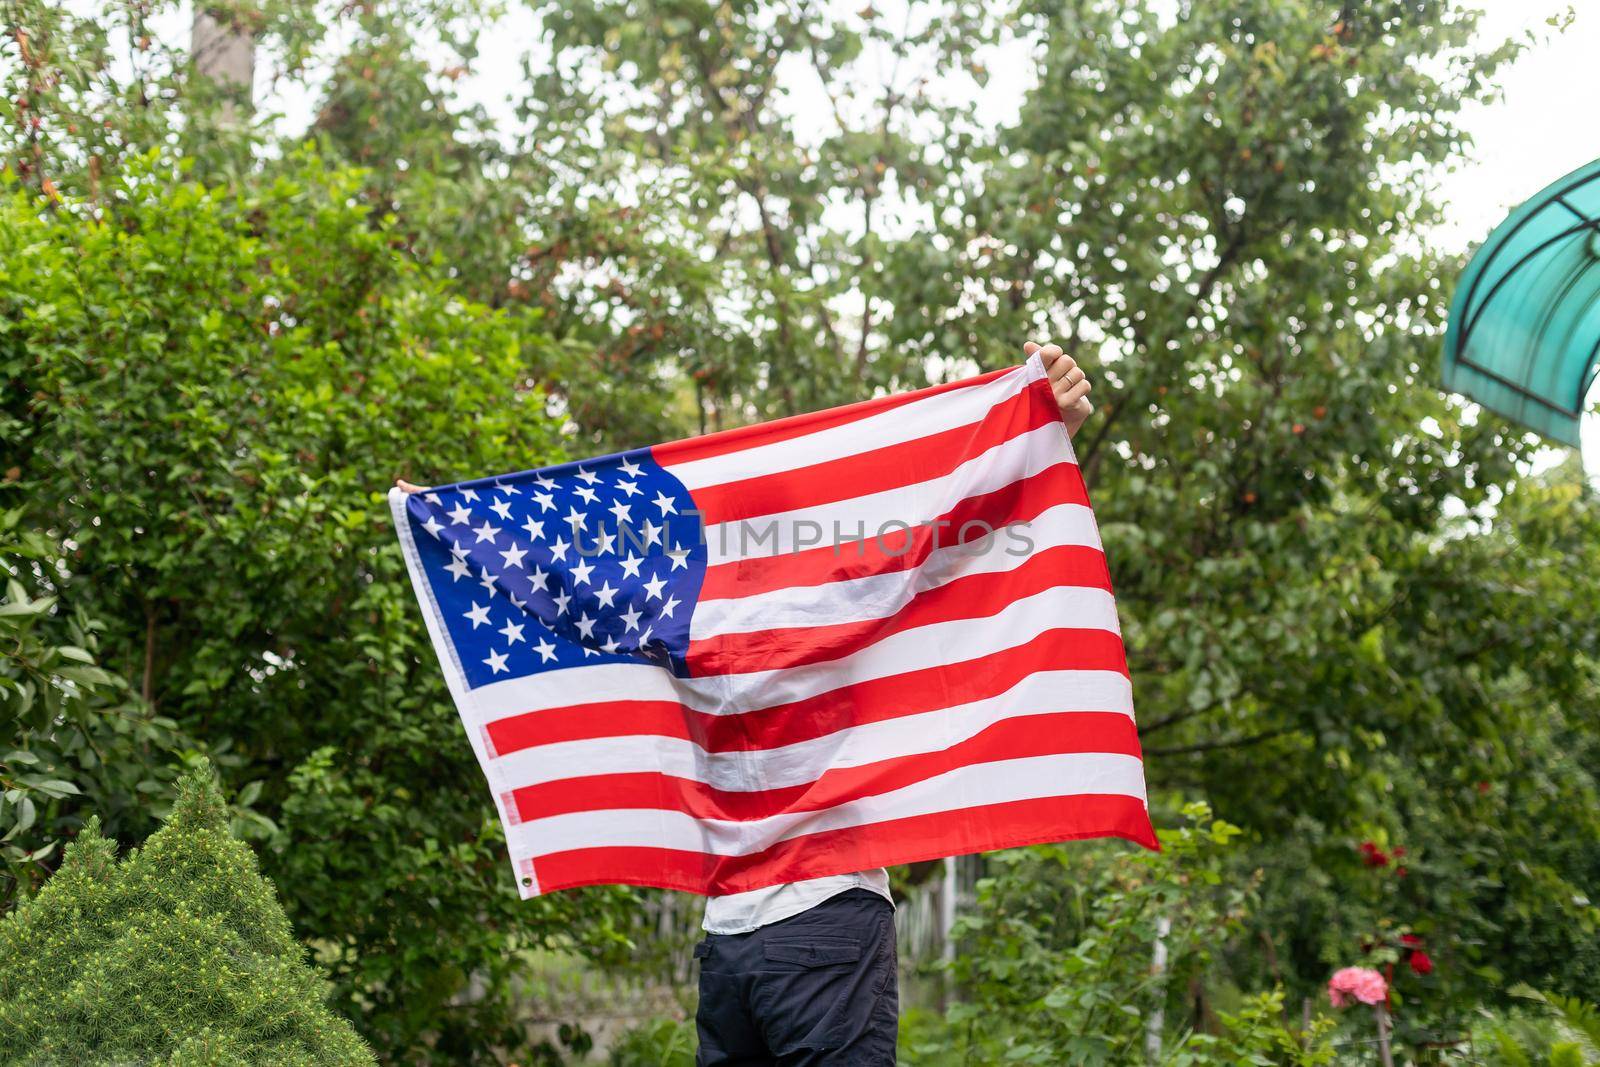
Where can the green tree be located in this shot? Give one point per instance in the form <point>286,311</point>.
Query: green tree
<point>221,385</point>
<point>179,954</point>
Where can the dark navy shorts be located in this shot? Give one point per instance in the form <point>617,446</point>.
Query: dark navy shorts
<point>817,989</point>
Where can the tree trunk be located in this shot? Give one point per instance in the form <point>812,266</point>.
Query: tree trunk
<point>225,52</point>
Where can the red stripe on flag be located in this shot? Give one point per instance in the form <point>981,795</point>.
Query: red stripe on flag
<point>970,520</point>
<point>1043,734</point>
<point>905,463</point>
<point>909,693</point>
<point>909,840</point>
<point>787,429</point>
<point>973,596</point>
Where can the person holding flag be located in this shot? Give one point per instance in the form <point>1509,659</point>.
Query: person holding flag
<point>805,974</point>
<point>769,726</point>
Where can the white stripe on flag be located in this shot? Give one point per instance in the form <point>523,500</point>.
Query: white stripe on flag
<point>920,418</point>
<point>933,645</point>
<point>890,510</point>
<point>878,596</point>
<point>1030,778</point>
<point>805,761</point>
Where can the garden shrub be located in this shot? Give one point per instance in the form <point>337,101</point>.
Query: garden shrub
<point>179,954</point>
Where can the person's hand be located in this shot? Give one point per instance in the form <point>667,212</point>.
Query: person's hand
<point>407,487</point>
<point>1068,382</point>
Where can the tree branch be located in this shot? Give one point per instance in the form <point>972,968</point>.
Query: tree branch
<point>1211,746</point>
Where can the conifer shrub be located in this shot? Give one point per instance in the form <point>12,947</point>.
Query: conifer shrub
<point>178,954</point>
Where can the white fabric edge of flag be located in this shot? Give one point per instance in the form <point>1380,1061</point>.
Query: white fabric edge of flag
<point>455,679</point>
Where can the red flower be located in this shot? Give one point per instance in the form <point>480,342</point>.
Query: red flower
<point>1397,851</point>
<point>1400,872</point>
<point>1411,940</point>
<point>1372,855</point>
<point>1421,962</point>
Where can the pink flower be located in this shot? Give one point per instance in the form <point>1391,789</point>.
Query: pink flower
<point>1361,983</point>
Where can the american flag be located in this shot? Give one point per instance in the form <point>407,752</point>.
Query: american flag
<point>871,635</point>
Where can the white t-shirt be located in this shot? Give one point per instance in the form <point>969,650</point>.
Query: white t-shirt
<point>739,913</point>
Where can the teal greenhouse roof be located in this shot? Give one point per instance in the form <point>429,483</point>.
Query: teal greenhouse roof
<point>1524,334</point>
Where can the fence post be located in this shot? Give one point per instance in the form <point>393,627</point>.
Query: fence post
<point>1158,967</point>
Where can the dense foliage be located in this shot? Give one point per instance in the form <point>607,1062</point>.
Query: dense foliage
<point>1359,630</point>
<point>1058,961</point>
<point>80,739</point>
<point>180,954</point>
<point>219,387</point>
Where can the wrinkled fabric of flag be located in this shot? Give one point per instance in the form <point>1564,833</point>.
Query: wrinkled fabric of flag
<point>877,634</point>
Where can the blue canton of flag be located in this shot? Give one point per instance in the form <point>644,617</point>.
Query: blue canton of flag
<point>583,563</point>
